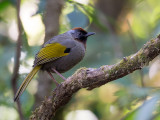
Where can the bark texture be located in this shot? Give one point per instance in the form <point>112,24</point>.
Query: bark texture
<point>92,78</point>
<point>17,58</point>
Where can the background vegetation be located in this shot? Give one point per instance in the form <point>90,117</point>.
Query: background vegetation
<point>122,27</point>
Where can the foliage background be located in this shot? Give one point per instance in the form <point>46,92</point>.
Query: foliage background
<point>122,27</point>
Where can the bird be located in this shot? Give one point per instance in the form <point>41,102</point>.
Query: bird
<point>58,55</point>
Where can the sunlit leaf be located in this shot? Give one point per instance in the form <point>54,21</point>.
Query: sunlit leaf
<point>131,116</point>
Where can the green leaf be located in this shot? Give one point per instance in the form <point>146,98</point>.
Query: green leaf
<point>146,111</point>
<point>131,116</point>
<point>4,4</point>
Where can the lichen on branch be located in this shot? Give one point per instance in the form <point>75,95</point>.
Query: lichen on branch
<point>91,78</point>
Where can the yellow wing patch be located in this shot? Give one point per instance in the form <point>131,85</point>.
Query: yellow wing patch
<point>49,53</point>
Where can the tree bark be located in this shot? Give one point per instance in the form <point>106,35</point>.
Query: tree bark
<point>91,78</point>
<point>51,21</point>
<point>15,74</point>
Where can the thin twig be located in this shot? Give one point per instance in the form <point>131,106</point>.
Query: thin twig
<point>130,32</point>
<point>17,58</point>
<point>91,78</point>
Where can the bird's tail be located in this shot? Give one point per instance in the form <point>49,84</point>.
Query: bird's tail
<point>26,82</point>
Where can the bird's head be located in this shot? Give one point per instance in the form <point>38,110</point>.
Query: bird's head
<point>80,34</point>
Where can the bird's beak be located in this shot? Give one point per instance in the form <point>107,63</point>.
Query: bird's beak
<point>90,33</point>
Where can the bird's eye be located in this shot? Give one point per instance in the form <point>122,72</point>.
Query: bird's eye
<point>80,33</point>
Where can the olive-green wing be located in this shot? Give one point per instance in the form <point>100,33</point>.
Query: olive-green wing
<point>49,53</point>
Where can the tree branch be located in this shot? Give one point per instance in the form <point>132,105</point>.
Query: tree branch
<point>91,78</point>
<point>17,58</point>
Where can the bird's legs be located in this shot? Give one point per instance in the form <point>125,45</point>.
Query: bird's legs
<point>53,78</point>
<point>54,70</point>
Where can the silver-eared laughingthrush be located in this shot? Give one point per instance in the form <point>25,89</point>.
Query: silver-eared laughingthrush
<point>58,55</point>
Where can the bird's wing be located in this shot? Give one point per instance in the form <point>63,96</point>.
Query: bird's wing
<point>49,53</point>
<point>53,51</point>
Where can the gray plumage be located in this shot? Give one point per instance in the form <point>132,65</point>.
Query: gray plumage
<point>76,54</point>
<point>59,54</point>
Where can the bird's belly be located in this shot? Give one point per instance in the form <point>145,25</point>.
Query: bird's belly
<point>65,63</point>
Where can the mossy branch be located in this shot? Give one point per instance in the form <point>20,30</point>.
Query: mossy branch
<point>91,78</point>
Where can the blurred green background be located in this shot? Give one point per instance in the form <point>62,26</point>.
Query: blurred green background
<point>122,27</point>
